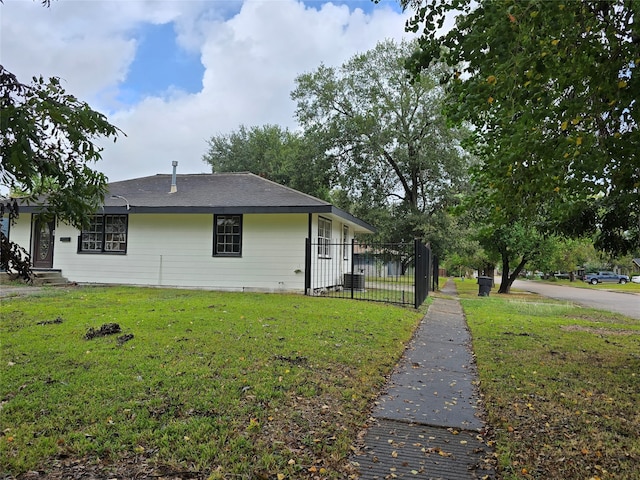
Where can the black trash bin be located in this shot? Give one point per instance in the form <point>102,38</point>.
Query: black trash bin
<point>484,286</point>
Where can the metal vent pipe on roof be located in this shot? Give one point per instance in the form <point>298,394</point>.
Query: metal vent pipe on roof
<point>174,186</point>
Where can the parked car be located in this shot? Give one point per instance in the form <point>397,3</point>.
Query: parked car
<point>601,277</point>
<point>635,279</point>
<point>562,275</point>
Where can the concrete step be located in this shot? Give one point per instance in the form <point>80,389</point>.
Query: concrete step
<point>49,277</point>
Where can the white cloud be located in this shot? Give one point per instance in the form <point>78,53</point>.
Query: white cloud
<point>251,60</point>
<point>62,41</point>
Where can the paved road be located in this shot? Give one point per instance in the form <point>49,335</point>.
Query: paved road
<point>625,303</point>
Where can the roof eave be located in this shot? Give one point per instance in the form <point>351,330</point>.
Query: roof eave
<point>364,226</point>
<point>361,225</point>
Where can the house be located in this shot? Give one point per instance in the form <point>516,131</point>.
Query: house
<point>381,261</point>
<point>225,231</point>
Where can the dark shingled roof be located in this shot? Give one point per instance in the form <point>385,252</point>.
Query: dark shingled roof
<point>221,193</point>
<point>218,190</point>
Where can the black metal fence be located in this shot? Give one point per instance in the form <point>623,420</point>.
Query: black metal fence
<point>381,272</point>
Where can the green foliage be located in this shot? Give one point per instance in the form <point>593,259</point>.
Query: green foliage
<point>234,385</point>
<point>560,386</point>
<point>46,145</point>
<point>566,255</point>
<point>465,257</point>
<point>515,245</point>
<point>273,153</point>
<point>14,258</point>
<point>551,89</point>
<point>386,134</point>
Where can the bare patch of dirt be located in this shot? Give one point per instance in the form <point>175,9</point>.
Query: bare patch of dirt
<point>103,331</point>
<point>51,322</point>
<point>122,339</point>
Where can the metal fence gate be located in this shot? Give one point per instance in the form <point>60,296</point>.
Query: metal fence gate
<point>380,272</point>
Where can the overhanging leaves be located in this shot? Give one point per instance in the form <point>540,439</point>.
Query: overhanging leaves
<point>552,90</point>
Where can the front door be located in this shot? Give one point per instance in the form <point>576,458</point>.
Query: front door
<point>43,244</point>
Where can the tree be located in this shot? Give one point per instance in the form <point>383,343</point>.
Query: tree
<point>551,90</point>
<point>514,245</point>
<point>510,242</point>
<point>285,157</point>
<point>386,135</point>
<point>46,145</point>
<point>571,253</point>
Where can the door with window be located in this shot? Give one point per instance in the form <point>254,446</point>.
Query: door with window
<point>42,255</point>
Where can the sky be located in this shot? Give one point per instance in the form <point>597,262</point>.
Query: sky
<point>172,74</point>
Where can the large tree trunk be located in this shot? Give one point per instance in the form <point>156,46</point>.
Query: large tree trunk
<point>507,280</point>
<point>505,286</point>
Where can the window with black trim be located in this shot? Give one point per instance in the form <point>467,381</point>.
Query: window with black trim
<point>227,235</point>
<point>324,237</point>
<point>105,234</point>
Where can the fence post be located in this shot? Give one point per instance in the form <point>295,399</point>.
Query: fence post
<point>353,243</point>
<point>428,270</point>
<point>423,273</point>
<point>417,254</point>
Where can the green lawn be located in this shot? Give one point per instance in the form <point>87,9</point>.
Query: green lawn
<point>561,386</point>
<point>217,384</point>
<point>628,287</point>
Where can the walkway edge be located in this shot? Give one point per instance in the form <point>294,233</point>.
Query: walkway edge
<point>427,422</point>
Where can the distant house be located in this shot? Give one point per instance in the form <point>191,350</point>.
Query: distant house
<point>379,262</point>
<point>228,231</point>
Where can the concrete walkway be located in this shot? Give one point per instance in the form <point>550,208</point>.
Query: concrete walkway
<point>427,424</point>
<point>18,291</point>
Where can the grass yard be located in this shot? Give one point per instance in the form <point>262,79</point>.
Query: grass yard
<point>561,386</point>
<point>627,287</point>
<point>196,384</point>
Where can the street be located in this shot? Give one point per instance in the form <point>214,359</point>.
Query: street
<point>625,303</point>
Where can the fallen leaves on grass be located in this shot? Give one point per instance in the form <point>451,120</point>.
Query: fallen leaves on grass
<point>561,391</point>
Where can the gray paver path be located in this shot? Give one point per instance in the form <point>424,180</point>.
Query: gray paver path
<point>427,423</point>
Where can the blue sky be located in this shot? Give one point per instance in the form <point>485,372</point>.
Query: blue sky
<point>160,63</point>
<point>172,73</point>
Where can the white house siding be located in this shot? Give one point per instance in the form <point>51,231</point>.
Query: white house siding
<point>273,251</point>
<point>329,272</point>
<point>20,232</point>
<point>177,250</point>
